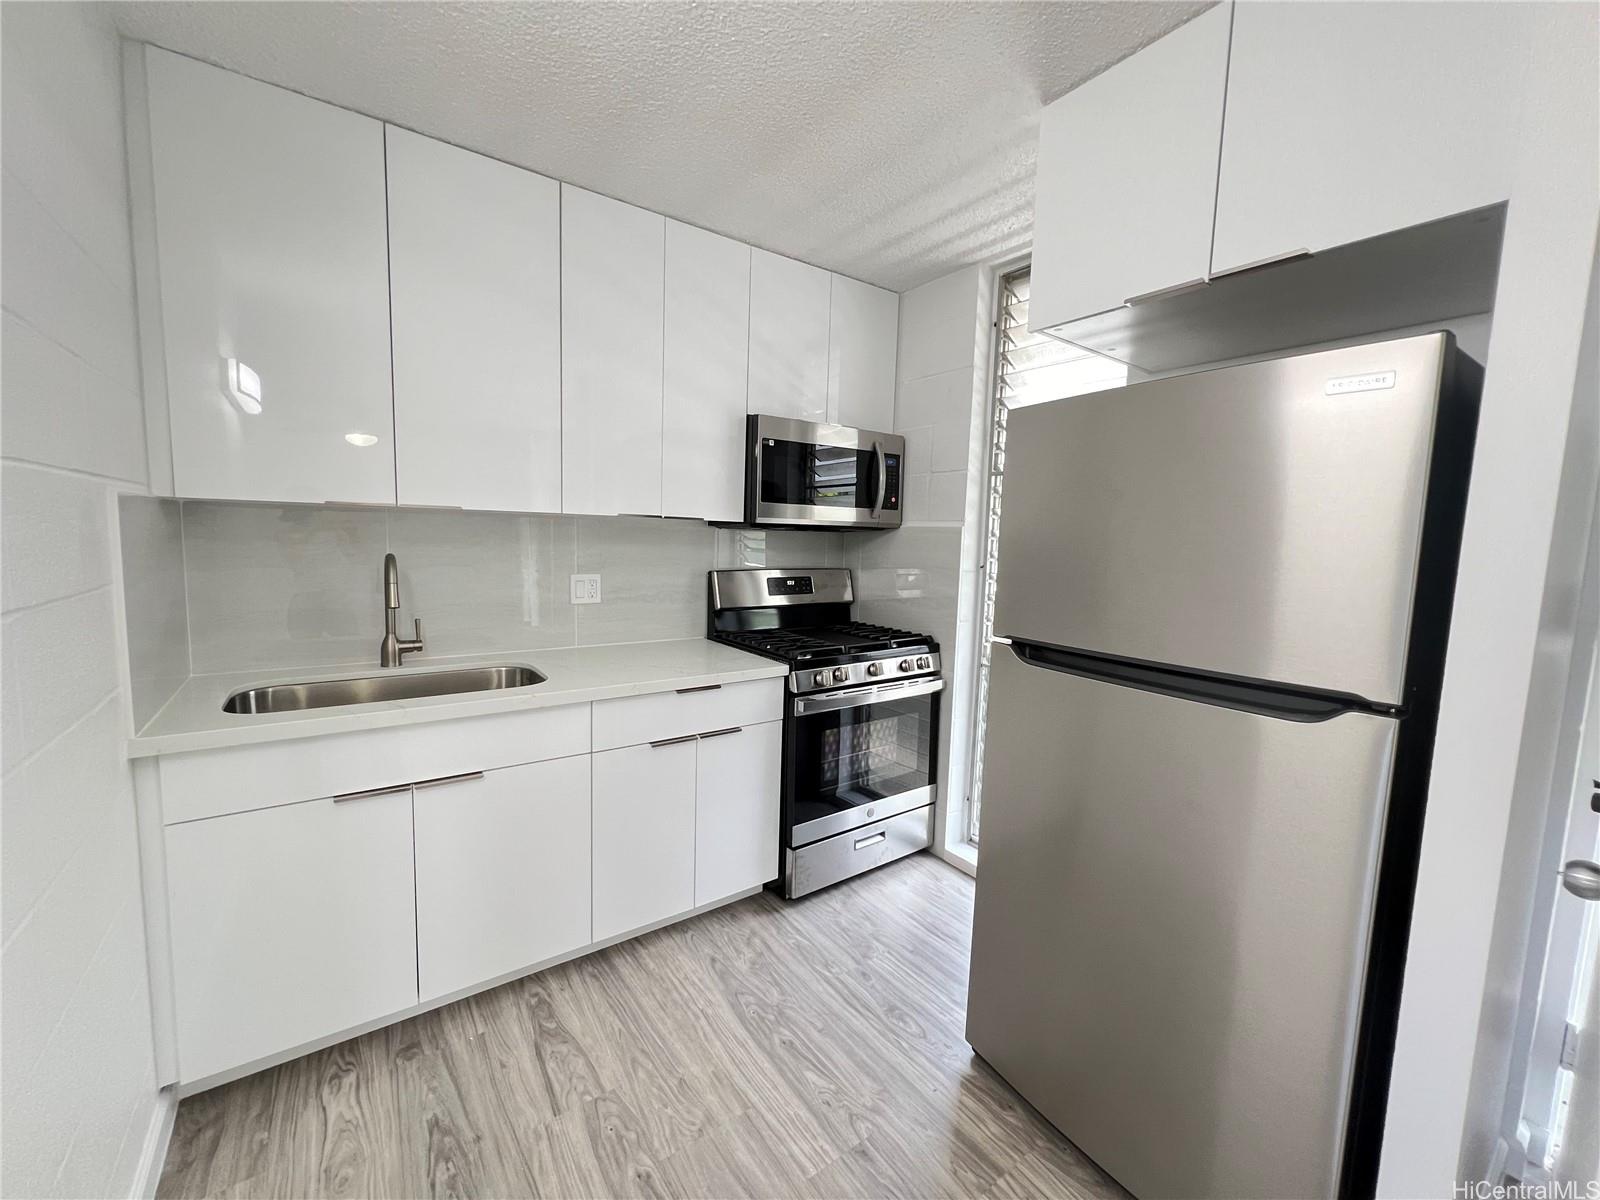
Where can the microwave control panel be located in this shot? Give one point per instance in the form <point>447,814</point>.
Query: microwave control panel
<point>891,484</point>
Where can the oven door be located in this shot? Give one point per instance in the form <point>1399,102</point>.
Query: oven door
<point>858,756</point>
<point>803,473</point>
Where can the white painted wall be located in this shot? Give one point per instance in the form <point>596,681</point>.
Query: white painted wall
<point>79,1101</point>
<point>1491,771</point>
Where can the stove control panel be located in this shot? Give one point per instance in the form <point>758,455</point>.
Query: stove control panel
<point>791,585</point>
<point>858,674</point>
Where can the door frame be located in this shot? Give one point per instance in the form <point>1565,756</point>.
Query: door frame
<point>1565,931</point>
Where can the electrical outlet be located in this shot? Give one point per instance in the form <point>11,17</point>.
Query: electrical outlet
<point>586,589</point>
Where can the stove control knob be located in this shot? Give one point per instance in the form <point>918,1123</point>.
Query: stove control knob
<point>818,678</point>
<point>841,674</point>
<point>905,664</point>
<point>875,668</point>
<point>923,662</point>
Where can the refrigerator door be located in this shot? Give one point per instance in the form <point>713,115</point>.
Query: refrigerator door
<point>1261,521</point>
<point>1171,925</point>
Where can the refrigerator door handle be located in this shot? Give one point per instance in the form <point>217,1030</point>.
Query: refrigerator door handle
<point>1245,695</point>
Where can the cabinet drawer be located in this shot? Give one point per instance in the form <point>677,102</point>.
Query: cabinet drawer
<point>636,719</point>
<point>209,783</point>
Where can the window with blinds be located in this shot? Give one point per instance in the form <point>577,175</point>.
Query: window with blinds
<point>1029,368</point>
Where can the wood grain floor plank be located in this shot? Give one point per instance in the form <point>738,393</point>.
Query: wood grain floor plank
<point>772,1049</point>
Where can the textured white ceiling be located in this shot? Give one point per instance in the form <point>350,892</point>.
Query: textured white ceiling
<point>889,141</point>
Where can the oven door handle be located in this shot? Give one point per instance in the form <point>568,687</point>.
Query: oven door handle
<point>882,470</point>
<point>804,706</point>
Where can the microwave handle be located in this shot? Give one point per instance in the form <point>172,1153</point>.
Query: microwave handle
<point>883,476</point>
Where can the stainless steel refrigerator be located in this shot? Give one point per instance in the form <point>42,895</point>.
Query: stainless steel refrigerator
<point>1220,619</point>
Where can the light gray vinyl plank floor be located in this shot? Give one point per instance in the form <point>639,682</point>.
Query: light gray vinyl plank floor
<point>767,1049</point>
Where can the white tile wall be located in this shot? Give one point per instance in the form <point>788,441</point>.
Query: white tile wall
<point>77,1078</point>
<point>272,586</point>
<point>919,577</point>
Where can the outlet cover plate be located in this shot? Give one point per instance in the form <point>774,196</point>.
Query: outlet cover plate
<point>586,589</point>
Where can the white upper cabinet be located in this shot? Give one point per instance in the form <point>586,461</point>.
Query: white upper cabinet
<point>612,258</point>
<point>475,288</point>
<point>1127,177</point>
<point>270,247</point>
<point>788,337</point>
<point>1350,120</point>
<point>705,361</point>
<point>863,331</point>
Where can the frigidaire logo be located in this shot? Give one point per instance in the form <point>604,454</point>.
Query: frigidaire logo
<point>1373,382</point>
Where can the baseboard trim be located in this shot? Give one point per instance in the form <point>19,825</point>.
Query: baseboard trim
<point>156,1140</point>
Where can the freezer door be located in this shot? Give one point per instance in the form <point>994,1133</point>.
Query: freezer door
<point>1261,521</point>
<point>1171,924</point>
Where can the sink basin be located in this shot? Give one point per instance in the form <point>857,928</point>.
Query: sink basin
<point>371,689</point>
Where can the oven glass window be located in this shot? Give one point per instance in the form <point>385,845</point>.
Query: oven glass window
<point>851,757</point>
<point>817,476</point>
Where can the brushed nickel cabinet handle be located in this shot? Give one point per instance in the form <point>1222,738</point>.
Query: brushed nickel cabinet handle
<point>464,777</point>
<point>392,790</point>
<point>677,741</point>
<point>721,732</point>
<point>1271,260</point>
<point>1188,285</point>
<point>704,687</point>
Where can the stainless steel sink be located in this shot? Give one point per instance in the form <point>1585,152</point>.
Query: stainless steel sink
<point>372,689</point>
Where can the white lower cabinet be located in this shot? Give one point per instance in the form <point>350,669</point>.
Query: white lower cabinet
<point>502,872</point>
<point>737,776</point>
<point>294,920</point>
<point>289,924</point>
<point>644,834</point>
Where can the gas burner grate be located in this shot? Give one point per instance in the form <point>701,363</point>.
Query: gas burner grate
<point>800,645</point>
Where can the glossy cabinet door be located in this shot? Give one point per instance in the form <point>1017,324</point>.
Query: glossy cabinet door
<point>706,357</point>
<point>1127,176</point>
<point>644,835</point>
<point>1337,116</point>
<point>289,924</point>
<point>863,336</point>
<point>270,227</point>
<point>788,337</point>
<point>612,257</point>
<point>737,779</point>
<point>502,872</point>
<point>475,286</point>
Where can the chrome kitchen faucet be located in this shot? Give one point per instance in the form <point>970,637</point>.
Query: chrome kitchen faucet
<point>392,650</point>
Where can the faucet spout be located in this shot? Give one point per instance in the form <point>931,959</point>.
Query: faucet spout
<point>393,649</point>
<point>391,583</point>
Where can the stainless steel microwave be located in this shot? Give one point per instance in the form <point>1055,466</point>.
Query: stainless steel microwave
<point>804,474</point>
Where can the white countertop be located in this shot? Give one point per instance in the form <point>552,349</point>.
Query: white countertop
<point>193,719</point>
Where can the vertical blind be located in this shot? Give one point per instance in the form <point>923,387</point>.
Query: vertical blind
<point>1030,368</point>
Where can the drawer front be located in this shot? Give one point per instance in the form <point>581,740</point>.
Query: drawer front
<point>843,855</point>
<point>209,783</point>
<point>634,720</point>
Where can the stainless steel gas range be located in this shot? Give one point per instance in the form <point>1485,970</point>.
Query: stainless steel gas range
<point>860,726</point>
